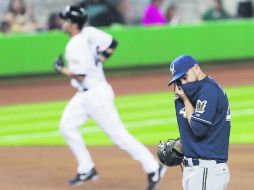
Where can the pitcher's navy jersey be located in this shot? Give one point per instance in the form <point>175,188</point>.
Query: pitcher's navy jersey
<point>208,138</point>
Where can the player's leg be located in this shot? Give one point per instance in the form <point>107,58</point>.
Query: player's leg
<point>108,119</point>
<point>218,177</point>
<point>194,178</point>
<point>103,111</point>
<point>209,178</point>
<point>73,117</point>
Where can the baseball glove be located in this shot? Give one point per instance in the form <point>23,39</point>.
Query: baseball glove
<point>170,152</point>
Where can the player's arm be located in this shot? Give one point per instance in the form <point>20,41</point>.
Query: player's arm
<point>67,72</point>
<point>206,109</point>
<point>104,42</point>
<point>104,55</point>
<point>198,126</point>
<point>201,117</point>
<point>60,68</point>
<point>189,109</point>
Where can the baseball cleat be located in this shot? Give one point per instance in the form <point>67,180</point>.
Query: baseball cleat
<point>155,177</point>
<point>81,178</point>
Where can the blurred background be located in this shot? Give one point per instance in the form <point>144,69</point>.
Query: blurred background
<point>36,15</point>
<point>151,33</point>
<point>210,30</point>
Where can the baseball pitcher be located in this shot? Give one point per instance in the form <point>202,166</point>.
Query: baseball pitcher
<point>203,117</point>
<point>85,53</point>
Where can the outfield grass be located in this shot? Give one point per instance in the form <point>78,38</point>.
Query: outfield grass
<point>150,117</point>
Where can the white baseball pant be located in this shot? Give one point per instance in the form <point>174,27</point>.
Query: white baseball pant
<point>208,175</point>
<point>98,103</point>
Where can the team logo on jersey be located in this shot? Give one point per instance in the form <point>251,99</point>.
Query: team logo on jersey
<point>183,112</point>
<point>172,69</point>
<point>200,106</point>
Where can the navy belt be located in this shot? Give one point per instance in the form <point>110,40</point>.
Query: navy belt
<point>195,162</point>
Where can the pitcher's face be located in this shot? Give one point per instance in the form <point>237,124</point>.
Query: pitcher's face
<point>190,76</point>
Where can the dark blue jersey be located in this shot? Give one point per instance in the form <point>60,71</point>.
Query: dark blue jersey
<point>208,136</point>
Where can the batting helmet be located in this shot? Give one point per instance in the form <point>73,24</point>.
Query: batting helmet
<point>74,14</point>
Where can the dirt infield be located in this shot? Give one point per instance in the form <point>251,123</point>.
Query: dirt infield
<point>50,169</point>
<point>44,168</point>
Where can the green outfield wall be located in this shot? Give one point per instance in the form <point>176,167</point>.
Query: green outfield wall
<point>138,46</point>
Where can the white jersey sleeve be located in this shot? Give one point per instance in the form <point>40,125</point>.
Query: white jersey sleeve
<point>98,38</point>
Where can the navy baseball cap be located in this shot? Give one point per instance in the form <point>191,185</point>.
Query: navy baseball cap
<point>180,66</point>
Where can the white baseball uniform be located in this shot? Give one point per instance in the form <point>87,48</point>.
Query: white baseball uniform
<point>95,99</point>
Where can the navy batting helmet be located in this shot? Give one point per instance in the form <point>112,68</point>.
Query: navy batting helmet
<point>74,14</point>
<point>180,66</point>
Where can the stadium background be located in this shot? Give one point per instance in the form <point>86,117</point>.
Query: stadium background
<point>32,98</point>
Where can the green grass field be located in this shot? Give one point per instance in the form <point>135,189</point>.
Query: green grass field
<point>149,117</point>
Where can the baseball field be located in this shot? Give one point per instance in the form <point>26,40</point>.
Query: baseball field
<point>34,156</point>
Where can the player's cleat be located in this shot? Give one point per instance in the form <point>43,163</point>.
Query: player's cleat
<point>81,178</point>
<point>155,177</point>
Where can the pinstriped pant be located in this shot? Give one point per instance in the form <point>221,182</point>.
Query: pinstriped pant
<point>207,176</point>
